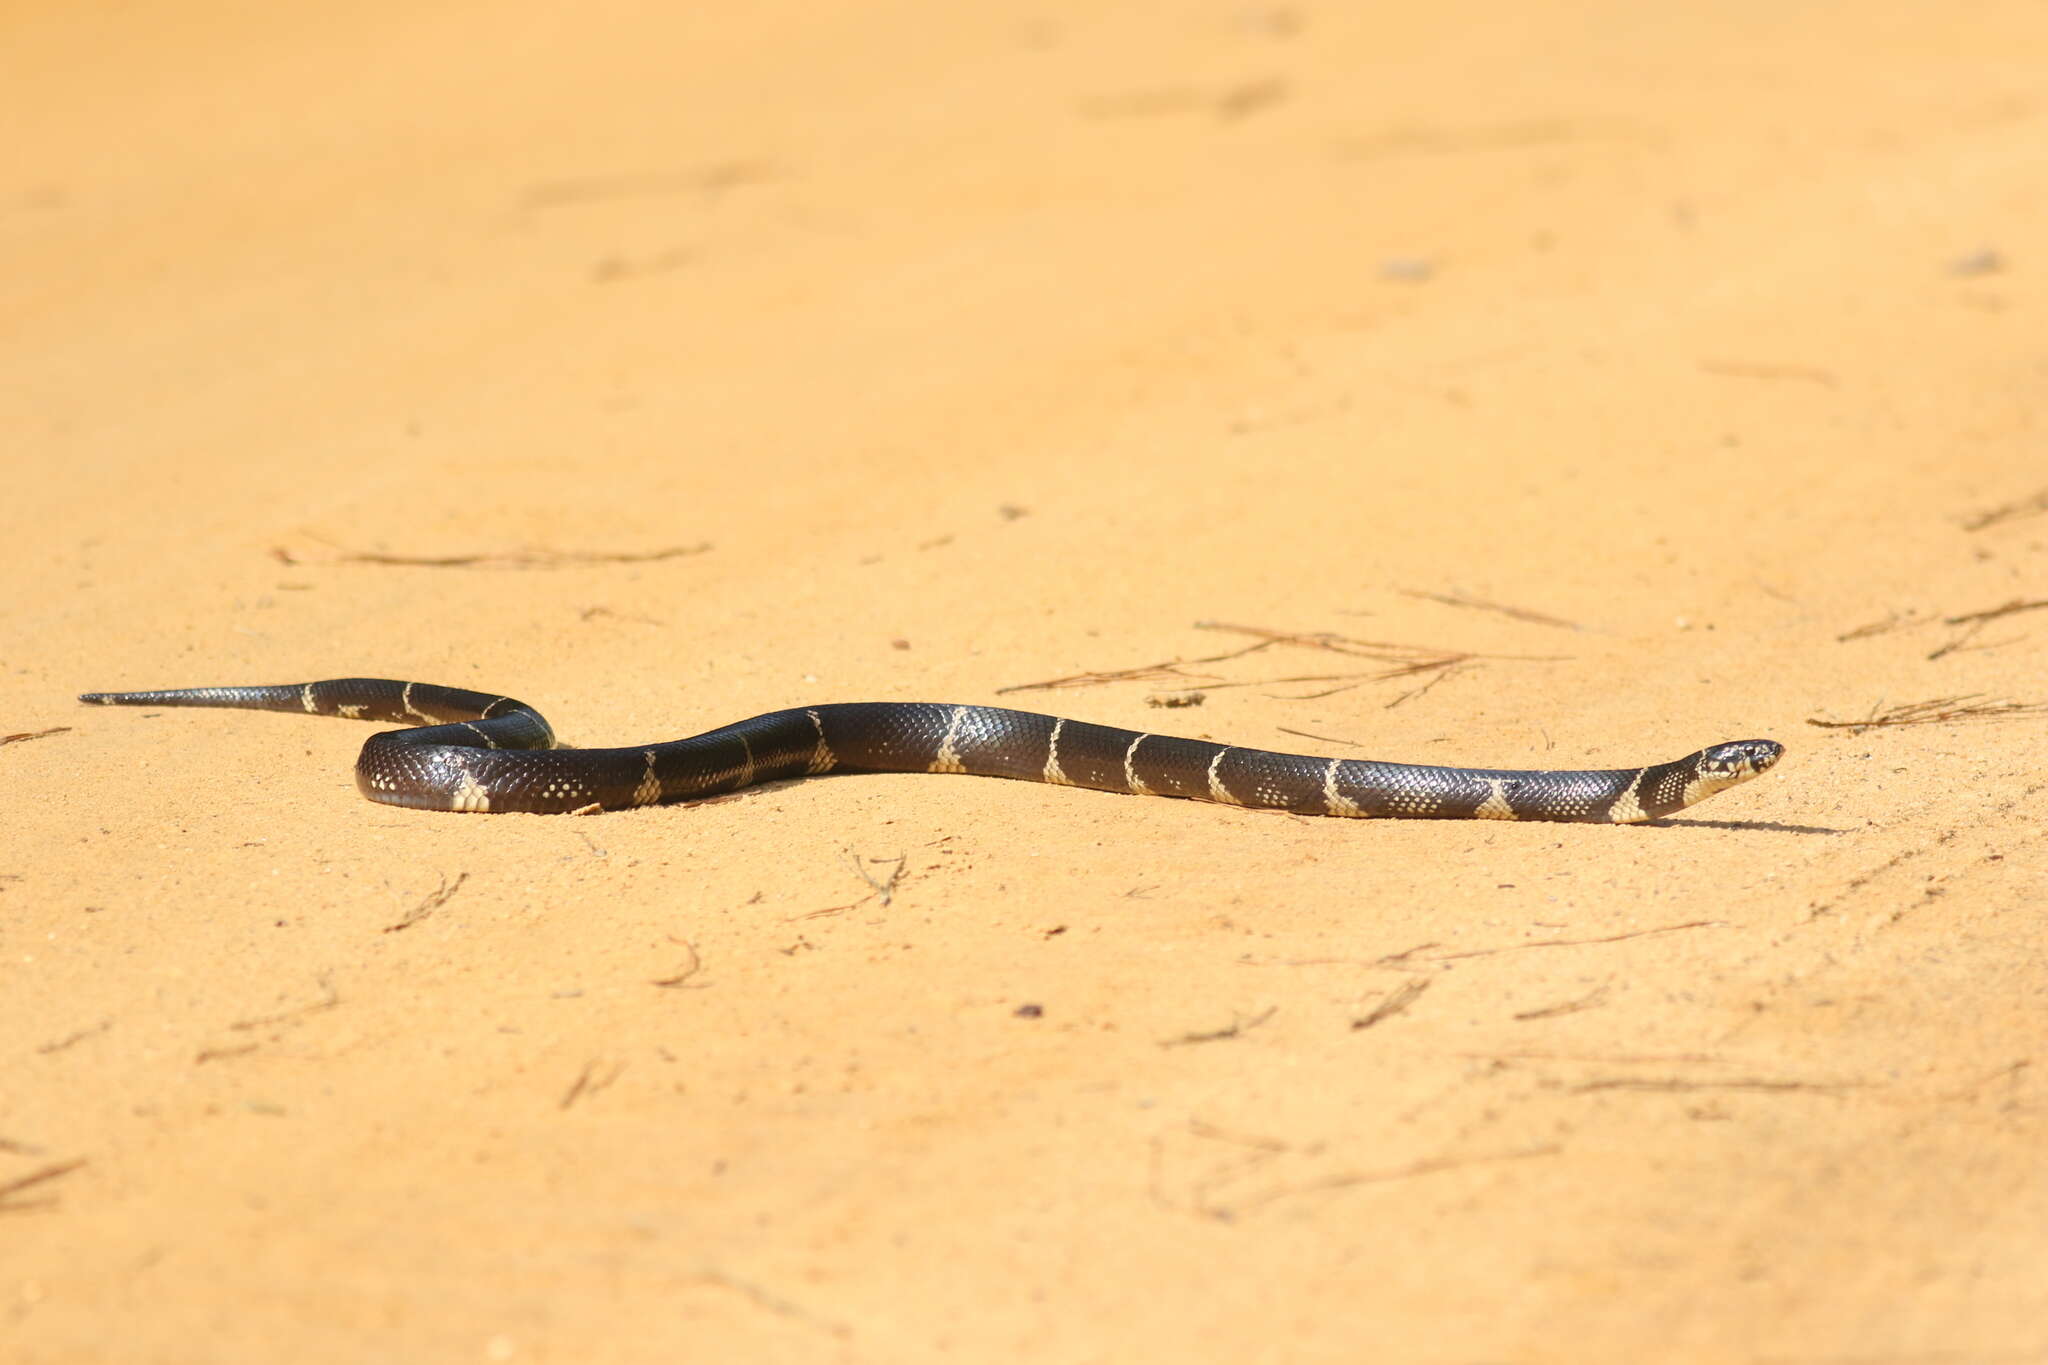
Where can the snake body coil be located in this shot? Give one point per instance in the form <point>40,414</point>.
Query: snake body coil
<point>472,751</point>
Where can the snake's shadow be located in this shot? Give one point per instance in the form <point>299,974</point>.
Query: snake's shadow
<point>762,789</point>
<point>1772,825</point>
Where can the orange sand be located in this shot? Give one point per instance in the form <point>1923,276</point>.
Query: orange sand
<point>985,345</point>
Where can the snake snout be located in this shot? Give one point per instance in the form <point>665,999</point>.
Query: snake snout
<point>1744,757</point>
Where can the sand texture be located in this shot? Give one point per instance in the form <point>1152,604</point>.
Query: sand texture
<point>1508,384</point>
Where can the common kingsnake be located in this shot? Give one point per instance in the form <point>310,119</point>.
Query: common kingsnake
<point>471,751</point>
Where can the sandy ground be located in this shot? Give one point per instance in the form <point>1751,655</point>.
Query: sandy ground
<point>912,350</point>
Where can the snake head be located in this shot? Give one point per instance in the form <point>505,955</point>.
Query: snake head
<point>1738,761</point>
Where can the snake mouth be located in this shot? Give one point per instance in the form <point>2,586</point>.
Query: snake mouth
<point>1742,758</point>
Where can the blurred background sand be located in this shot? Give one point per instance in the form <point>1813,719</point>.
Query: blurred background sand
<point>1643,376</point>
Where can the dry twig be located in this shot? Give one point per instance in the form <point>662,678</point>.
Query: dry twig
<point>1973,624</point>
<point>329,999</point>
<point>1897,620</point>
<point>434,900</point>
<point>682,978</point>
<point>1169,670</point>
<point>1236,1027</point>
<point>527,557</point>
<point>1417,954</point>
<point>1462,599</point>
<point>2025,507</point>
<point>1939,711</point>
<point>1680,1084</point>
<point>712,179</point>
<point>1591,1000</point>
<point>10,1188</point>
<point>75,1037</point>
<point>27,735</point>
<point>2017,604</point>
<point>589,1081</point>
<point>1347,1179</point>
<point>886,887</point>
<point>1320,739</point>
<point>1393,1002</point>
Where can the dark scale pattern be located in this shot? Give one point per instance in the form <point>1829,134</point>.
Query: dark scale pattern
<point>474,751</point>
<point>1169,766</point>
<point>723,760</point>
<point>1093,755</point>
<point>1271,781</point>
<point>1663,788</point>
<point>706,766</point>
<point>992,747</point>
<point>988,744</point>
<point>878,736</point>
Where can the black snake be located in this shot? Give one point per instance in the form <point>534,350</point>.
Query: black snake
<point>471,751</point>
